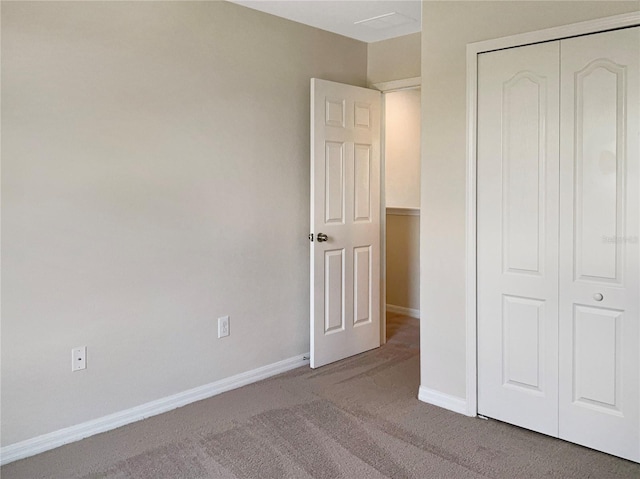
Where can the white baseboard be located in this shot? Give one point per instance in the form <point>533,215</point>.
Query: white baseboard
<point>414,313</point>
<point>45,442</point>
<point>446,401</point>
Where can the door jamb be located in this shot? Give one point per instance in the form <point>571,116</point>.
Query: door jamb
<point>473,50</point>
<point>413,83</point>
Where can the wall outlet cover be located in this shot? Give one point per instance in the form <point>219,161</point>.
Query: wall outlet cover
<point>79,358</point>
<point>223,326</point>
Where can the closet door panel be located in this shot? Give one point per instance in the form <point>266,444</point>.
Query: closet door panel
<point>599,329</point>
<point>517,236</point>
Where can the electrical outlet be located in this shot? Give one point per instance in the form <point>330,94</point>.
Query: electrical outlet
<point>79,358</point>
<point>223,326</point>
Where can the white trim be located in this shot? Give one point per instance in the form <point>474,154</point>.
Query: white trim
<point>45,442</point>
<point>403,211</point>
<point>473,50</point>
<point>383,224</point>
<point>446,401</point>
<point>471,359</point>
<point>396,85</point>
<point>557,33</point>
<point>414,313</point>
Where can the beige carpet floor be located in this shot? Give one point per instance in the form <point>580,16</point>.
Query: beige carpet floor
<point>358,418</point>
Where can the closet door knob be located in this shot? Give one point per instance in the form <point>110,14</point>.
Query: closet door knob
<point>598,297</point>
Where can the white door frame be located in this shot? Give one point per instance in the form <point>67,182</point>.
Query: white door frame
<point>387,87</point>
<point>473,50</point>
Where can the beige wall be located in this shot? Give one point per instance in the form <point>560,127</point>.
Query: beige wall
<point>447,28</point>
<point>394,59</point>
<point>155,176</point>
<point>403,261</point>
<point>402,148</point>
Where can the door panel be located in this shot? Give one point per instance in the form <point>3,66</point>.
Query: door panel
<point>599,212</point>
<point>522,134</point>
<point>523,337</point>
<point>598,100</point>
<point>334,290</point>
<point>362,183</point>
<point>334,182</point>
<point>597,370</point>
<point>517,236</point>
<point>362,285</point>
<point>345,205</point>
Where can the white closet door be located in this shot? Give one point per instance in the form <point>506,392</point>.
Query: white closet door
<point>599,287</point>
<point>518,236</point>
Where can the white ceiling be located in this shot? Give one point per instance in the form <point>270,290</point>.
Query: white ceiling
<point>388,18</point>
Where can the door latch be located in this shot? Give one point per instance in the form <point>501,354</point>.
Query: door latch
<point>311,237</point>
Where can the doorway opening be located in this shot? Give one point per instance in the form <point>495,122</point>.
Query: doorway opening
<point>350,138</point>
<point>401,219</point>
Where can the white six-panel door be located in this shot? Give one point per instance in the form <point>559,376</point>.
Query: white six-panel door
<point>558,249</point>
<point>345,206</point>
<point>599,261</point>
